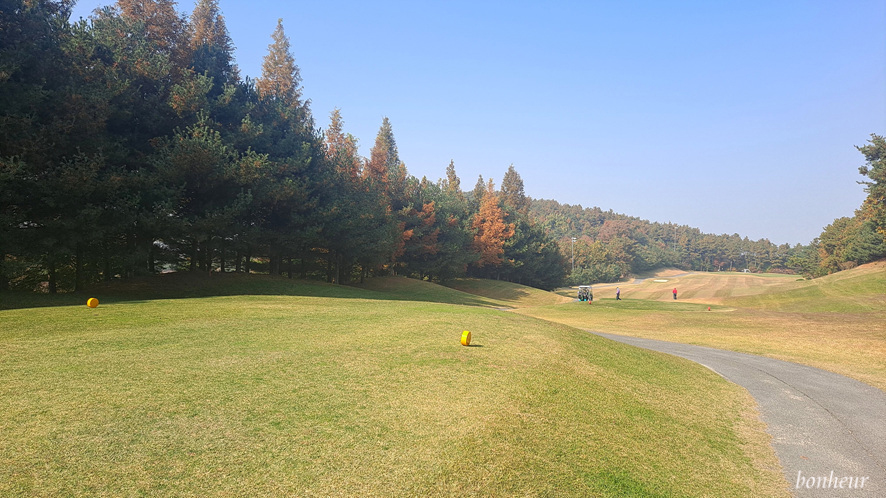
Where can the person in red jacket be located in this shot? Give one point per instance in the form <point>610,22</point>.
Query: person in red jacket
<point>675,293</point>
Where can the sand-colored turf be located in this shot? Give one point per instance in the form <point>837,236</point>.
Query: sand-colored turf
<point>837,322</point>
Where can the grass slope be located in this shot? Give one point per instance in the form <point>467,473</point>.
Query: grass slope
<point>861,289</point>
<point>837,323</point>
<point>324,390</point>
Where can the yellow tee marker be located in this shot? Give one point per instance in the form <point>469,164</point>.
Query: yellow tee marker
<point>465,338</point>
<point>92,302</point>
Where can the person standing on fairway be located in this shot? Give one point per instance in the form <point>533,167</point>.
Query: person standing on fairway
<point>675,293</point>
<point>618,294</point>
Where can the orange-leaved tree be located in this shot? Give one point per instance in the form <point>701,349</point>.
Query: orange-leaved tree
<point>492,231</point>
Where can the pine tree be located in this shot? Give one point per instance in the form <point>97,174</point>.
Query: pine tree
<point>477,194</point>
<point>513,195</point>
<point>452,184</point>
<point>874,206</point>
<point>281,79</point>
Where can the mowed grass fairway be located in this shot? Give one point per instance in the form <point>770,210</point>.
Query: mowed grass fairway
<point>315,390</point>
<point>837,322</point>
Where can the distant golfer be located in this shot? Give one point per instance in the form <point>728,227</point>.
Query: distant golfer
<point>618,294</point>
<point>675,293</point>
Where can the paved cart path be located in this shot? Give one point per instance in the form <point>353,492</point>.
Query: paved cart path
<point>824,426</point>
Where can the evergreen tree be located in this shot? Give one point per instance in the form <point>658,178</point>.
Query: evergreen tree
<point>212,195</point>
<point>359,228</point>
<point>289,193</point>
<point>513,195</point>
<point>452,184</point>
<point>874,206</point>
<point>476,196</point>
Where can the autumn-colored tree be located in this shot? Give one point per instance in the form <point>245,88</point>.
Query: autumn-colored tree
<point>341,148</point>
<point>163,26</point>
<point>491,229</point>
<point>281,79</point>
<point>384,161</point>
<point>211,44</point>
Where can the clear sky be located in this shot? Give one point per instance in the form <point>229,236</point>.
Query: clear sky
<point>733,117</point>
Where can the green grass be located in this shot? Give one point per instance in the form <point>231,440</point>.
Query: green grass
<point>858,290</point>
<point>309,389</point>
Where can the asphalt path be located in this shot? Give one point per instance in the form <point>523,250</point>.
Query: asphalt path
<point>827,430</point>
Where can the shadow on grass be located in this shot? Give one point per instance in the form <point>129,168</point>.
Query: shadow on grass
<point>196,285</point>
<point>504,292</point>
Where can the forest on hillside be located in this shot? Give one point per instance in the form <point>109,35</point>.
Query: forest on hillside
<point>131,145</point>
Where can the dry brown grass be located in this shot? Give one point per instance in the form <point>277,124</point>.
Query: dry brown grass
<point>837,323</point>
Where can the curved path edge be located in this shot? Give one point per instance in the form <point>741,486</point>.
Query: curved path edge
<point>827,430</point>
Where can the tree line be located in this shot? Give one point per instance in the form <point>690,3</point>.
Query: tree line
<point>609,246</point>
<point>131,145</point>
<point>860,238</point>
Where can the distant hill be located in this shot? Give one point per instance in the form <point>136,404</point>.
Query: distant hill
<point>610,246</point>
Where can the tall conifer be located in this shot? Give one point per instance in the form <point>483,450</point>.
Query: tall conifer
<point>164,26</point>
<point>211,43</point>
<point>384,160</point>
<point>874,206</point>
<point>492,231</point>
<point>281,78</point>
<point>341,148</point>
<point>512,193</point>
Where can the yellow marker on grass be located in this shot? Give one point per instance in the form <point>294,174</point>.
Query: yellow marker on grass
<point>92,302</point>
<point>465,338</point>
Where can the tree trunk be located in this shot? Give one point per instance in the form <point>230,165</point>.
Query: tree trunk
<point>4,280</point>
<point>248,261</point>
<point>152,255</point>
<point>107,262</point>
<point>273,260</point>
<point>53,285</point>
<point>289,267</point>
<point>193,256</point>
<point>78,267</point>
<point>207,255</point>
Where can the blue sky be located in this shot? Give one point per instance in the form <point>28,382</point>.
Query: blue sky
<point>733,117</point>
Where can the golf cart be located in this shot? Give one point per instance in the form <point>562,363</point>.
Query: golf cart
<point>585,293</point>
